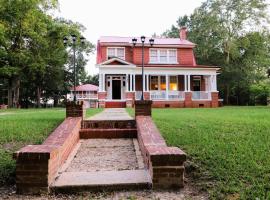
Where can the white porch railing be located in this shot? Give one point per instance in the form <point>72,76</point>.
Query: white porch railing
<point>84,96</point>
<point>172,95</point>
<point>201,95</point>
<point>158,95</point>
<point>138,95</point>
<point>176,95</point>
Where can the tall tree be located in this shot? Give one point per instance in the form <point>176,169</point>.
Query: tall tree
<point>220,27</point>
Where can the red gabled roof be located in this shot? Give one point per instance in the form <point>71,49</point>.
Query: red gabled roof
<point>86,87</point>
<point>158,41</point>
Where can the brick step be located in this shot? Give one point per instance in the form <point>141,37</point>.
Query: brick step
<point>74,182</point>
<point>109,124</point>
<point>115,104</point>
<point>108,133</point>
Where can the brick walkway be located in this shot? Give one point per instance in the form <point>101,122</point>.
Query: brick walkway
<point>112,114</point>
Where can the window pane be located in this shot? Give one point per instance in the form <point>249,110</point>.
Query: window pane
<point>162,83</point>
<point>111,52</point>
<point>163,56</point>
<point>121,53</point>
<point>154,83</point>
<point>173,83</point>
<point>153,56</point>
<point>172,56</point>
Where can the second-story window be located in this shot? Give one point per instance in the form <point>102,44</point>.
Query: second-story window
<point>163,56</point>
<point>118,52</point>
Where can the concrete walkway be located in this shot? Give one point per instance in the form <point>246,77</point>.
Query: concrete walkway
<point>113,114</point>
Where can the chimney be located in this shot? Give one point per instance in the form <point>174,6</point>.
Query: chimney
<point>183,33</point>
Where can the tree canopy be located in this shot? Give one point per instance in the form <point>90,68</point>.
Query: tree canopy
<point>34,62</point>
<point>235,36</point>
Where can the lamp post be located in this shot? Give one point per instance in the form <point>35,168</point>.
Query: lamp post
<point>73,44</point>
<point>134,41</point>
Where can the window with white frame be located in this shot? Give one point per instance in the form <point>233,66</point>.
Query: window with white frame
<point>163,56</point>
<point>173,83</point>
<point>118,52</point>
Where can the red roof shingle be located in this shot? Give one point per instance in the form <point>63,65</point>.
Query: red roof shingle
<point>158,41</point>
<point>86,87</point>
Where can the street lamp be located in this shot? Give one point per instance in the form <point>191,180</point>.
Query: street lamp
<point>73,41</point>
<point>134,41</point>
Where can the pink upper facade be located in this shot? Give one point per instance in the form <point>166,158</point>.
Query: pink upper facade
<point>180,47</point>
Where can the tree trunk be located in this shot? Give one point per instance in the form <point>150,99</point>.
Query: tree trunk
<point>17,93</point>
<point>227,94</point>
<point>38,96</point>
<point>10,93</point>
<point>55,101</point>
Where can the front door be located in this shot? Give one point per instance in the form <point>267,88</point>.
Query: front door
<point>116,89</point>
<point>196,85</point>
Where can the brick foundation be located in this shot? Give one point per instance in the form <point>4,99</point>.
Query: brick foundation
<point>168,104</point>
<point>146,95</point>
<point>75,109</point>
<point>101,99</point>
<point>188,100</point>
<point>214,96</point>
<point>143,107</point>
<point>130,97</point>
<point>201,104</point>
<point>37,165</point>
<point>166,164</point>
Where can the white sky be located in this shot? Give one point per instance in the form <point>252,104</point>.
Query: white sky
<point>124,17</point>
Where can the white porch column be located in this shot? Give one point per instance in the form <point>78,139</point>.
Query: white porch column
<point>214,83</point>
<point>127,83</point>
<point>130,82</point>
<point>100,83</point>
<point>134,84</point>
<point>103,82</point>
<point>167,86</point>
<point>185,83</point>
<point>188,83</point>
<point>147,82</point>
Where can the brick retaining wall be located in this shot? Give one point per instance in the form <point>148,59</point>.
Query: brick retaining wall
<point>37,165</point>
<point>166,164</point>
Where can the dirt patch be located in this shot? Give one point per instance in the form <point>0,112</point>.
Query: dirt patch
<point>187,193</point>
<point>104,155</point>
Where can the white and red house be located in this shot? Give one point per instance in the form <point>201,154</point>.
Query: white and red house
<point>88,94</point>
<point>172,76</point>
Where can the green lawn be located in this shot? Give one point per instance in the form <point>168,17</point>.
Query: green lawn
<point>22,127</point>
<point>228,148</point>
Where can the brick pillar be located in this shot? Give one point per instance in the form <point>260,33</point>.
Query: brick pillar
<point>75,109</point>
<point>130,97</point>
<point>167,167</point>
<point>36,168</point>
<point>188,99</point>
<point>214,102</point>
<point>101,99</point>
<point>146,95</point>
<point>143,108</point>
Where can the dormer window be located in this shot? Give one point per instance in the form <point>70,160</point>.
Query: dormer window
<point>163,56</point>
<point>118,52</point>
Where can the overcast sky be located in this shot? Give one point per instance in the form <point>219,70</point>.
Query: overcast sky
<point>124,17</point>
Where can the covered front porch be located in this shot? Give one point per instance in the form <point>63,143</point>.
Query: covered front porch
<point>181,90</point>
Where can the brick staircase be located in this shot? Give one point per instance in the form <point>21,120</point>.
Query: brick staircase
<point>44,168</point>
<point>70,182</point>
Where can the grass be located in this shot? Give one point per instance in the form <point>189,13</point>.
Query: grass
<point>228,148</point>
<point>22,127</point>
